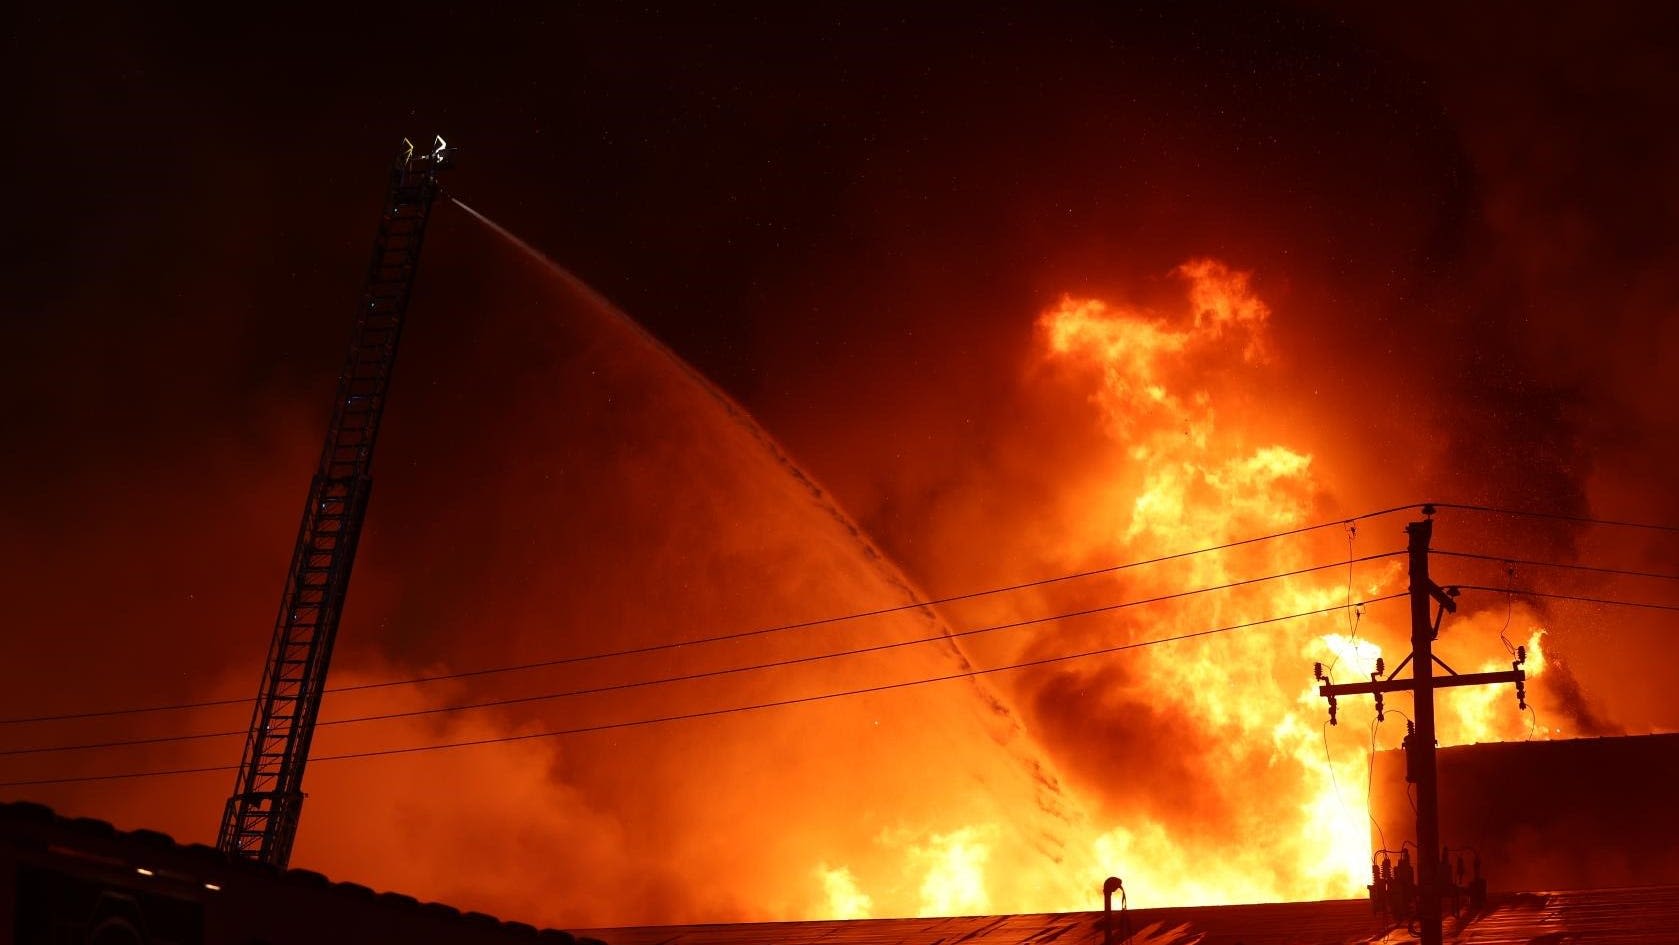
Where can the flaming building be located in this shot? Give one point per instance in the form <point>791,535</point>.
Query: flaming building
<point>1039,397</point>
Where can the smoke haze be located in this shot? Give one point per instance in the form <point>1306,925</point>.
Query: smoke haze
<point>982,303</point>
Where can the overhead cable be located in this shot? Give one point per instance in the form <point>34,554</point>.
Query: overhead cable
<point>1529,592</point>
<point>1594,569</point>
<point>1557,516</point>
<point>707,674</point>
<point>712,713</point>
<point>739,635</point>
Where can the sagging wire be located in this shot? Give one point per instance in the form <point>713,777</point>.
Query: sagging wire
<point>1352,619</point>
<point>1510,606</point>
<point>1369,778</point>
<point>1369,775</point>
<point>1355,612</point>
<point>1329,763</point>
<point>1533,727</point>
<point>1370,772</point>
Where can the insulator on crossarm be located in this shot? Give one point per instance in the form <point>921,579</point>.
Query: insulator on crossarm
<point>1317,671</point>
<point>1381,667</point>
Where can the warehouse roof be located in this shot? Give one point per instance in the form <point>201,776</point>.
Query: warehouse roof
<point>1641,916</point>
<point>79,851</point>
<point>1635,916</point>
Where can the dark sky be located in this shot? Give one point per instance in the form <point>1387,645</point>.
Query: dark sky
<point>797,199</point>
<point>694,163</point>
<point>848,219</point>
<point>770,192</point>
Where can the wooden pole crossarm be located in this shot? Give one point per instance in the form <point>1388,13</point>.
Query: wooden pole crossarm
<point>1410,685</point>
<point>1443,596</point>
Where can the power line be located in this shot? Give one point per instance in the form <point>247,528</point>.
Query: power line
<point>782,628</point>
<point>134,710</point>
<point>1623,572</point>
<point>710,674</point>
<point>1354,615</point>
<point>1573,597</point>
<point>711,713</point>
<point>1554,516</point>
<point>913,605</point>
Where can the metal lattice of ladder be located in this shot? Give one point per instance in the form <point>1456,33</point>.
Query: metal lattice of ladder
<point>260,820</point>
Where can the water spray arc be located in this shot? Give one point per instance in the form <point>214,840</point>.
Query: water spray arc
<point>260,820</point>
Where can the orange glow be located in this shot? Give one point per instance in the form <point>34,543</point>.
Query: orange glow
<point>1185,476</point>
<point>954,869</point>
<point>1200,770</point>
<point>1187,465</point>
<point>845,900</point>
<point>1488,713</point>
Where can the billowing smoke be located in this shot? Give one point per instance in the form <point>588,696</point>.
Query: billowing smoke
<point>1055,308</point>
<point>649,509</point>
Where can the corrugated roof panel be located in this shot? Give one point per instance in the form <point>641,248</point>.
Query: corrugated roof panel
<point>1268,924</point>
<point>1643,916</point>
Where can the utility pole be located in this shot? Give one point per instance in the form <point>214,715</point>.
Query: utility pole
<point>1419,750</point>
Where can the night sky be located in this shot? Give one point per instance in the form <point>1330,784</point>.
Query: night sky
<point>773,193</point>
<point>848,220</point>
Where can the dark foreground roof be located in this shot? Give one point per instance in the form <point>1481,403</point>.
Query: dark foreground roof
<point>1643,916</point>
<point>64,876</point>
<point>88,865</point>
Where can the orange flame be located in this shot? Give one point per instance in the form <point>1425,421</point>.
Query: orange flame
<point>1272,806</point>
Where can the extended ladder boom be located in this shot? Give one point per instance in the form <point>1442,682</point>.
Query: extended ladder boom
<point>260,820</point>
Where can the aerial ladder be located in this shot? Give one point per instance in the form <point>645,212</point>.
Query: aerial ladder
<point>260,820</point>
